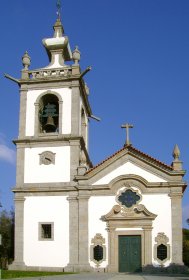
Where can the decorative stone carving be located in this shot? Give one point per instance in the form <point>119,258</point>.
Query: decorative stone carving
<point>50,73</point>
<point>47,158</point>
<point>162,248</point>
<point>120,213</point>
<point>98,249</point>
<point>128,197</point>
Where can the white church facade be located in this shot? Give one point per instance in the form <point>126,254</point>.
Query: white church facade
<point>120,216</point>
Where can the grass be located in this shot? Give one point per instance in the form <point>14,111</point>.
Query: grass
<point>8,274</point>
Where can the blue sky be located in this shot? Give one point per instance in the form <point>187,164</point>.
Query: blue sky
<point>139,53</point>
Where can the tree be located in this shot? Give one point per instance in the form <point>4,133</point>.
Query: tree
<point>7,232</point>
<point>186,246</point>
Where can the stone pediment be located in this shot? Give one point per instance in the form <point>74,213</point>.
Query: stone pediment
<point>131,161</point>
<point>139,212</point>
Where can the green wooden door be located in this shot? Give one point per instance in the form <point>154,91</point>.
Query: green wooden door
<point>129,253</point>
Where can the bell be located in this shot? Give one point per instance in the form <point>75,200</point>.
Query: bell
<point>50,125</point>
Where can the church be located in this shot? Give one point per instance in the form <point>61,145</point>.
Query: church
<point>122,215</point>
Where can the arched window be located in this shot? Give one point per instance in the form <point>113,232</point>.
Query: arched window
<point>49,113</point>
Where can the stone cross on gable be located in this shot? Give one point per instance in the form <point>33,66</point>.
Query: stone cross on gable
<point>127,126</point>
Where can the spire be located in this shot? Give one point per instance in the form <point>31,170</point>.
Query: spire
<point>58,48</point>
<point>176,164</point>
<point>58,28</point>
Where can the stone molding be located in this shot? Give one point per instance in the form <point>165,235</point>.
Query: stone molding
<point>120,218</point>
<point>121,192</point>
<point>120,213</point>
<point>124,156</point>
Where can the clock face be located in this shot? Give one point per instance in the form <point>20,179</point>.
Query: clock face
<point>47,158</point>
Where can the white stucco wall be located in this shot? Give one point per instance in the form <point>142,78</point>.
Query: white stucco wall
<point>159,204</point>
<point>58,172</point>
<point>46,253</point>
<point>129,168</point>
<point>32,96</point>
<point>99,206</point>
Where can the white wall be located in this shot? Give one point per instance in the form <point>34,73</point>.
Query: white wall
<point>99,206</point>
<point>32,96</point>
<point>46,253</point>
<point>159,204</point>
<point>129,168</point>
<point>58,172</point>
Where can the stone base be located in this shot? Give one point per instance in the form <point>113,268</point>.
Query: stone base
<point>23,267</point>
<point>171,269</point>
<point>78,268</point>
<point>100,269</point>
<point>17,266</point>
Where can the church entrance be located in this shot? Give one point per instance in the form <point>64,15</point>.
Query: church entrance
<point>129,253</point>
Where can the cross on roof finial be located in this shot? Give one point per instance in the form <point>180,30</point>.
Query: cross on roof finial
<point>59,6</point>
<point>127,126</point>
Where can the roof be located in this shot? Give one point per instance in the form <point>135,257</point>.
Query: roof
<point>132,150</point>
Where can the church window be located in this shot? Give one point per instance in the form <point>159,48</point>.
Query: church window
<point>98,253</point>
<point>49,113</point>
<point>128,198</point>
<point>98,249</point>
<point>46,231</point>
<point>162,248</point>
<point>162,252</point>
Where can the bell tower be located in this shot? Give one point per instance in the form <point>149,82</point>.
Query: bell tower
<point>52,146</point>
<point>54,113</point>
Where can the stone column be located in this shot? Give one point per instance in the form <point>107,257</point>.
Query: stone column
<point>111,249</point>
<point>147,250</point>
<point>22,117</point>
<point>73,234</point>
<point>176,209</point>
<point>83,233</point>
<point>19,235</point>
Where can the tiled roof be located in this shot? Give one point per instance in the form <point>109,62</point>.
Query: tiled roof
<point>130,148</point>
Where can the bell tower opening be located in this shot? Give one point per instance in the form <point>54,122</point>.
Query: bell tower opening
<point>49,114</point>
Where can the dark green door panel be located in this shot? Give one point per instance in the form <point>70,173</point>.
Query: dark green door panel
<point>129,253</point>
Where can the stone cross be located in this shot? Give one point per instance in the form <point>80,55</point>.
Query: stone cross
<point>127,126</point>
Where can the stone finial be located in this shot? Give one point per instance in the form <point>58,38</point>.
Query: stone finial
<point>76,55</point>
<point>26,61</point>
<point>176,152</point>
<point>176,164</point>
<point>58,28</point>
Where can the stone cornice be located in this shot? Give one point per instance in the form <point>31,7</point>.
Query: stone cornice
<point>155,187</point>
<point>39,189</point>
